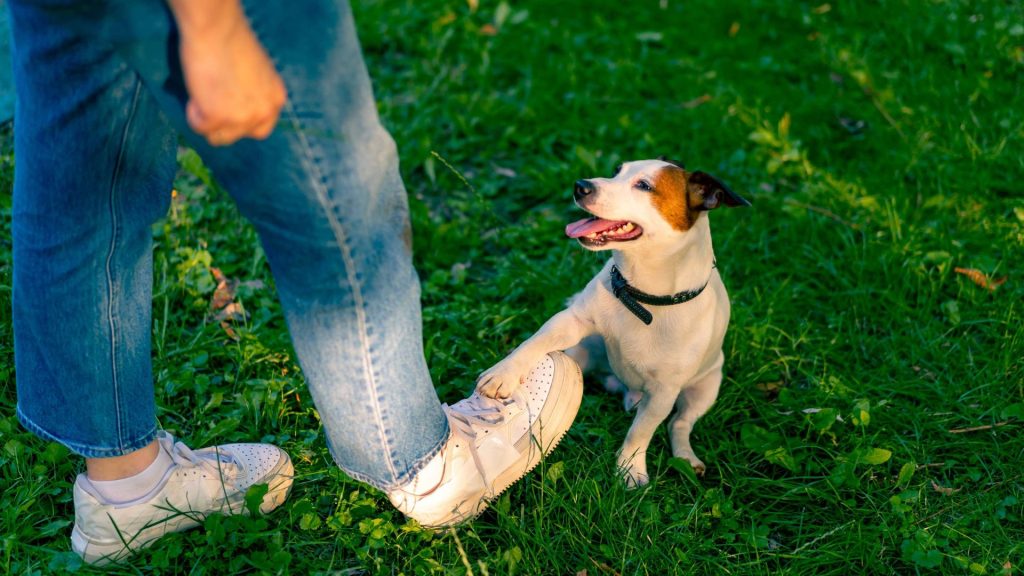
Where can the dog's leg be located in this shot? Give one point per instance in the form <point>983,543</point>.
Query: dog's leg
<point>630,398</point>
<point>563,330</point>
<point>590,354</point>
<point>693,402</point>
<point>651,412</point>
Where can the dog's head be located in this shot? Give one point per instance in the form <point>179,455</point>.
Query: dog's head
<point>645,202</point>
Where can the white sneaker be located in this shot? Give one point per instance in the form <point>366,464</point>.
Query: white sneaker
<point>493,444</point>
<point>200,482</point>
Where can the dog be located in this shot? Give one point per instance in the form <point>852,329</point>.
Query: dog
<point>656,313</point>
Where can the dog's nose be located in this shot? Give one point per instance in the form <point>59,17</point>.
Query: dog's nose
<point>583,188</point>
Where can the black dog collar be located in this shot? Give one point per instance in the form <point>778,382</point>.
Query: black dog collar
<point>631,298</point>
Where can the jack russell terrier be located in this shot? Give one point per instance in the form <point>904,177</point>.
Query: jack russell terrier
<point>656,314</point>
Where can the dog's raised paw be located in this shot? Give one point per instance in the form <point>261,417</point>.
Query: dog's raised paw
<point>499,381</point>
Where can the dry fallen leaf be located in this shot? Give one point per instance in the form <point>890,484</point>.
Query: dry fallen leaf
<point>230,331</point>
<point>488,30</point>
<point>225,292</point>
<point>980,278</point>
<point>604,568</point>
<point>446,19</point>
<point>697,101</point>
<point>223,307</point>
<point>770,389</point>
<point>232,311</point>
<point>943,490</point>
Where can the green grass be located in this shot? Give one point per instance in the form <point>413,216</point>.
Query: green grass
<point>882,144</point>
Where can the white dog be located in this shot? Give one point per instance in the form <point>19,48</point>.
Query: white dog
<point>656,314</point>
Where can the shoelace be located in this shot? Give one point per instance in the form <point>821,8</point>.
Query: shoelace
<point>218,463</point>
<point>480,410</point>
<point>468,416</point>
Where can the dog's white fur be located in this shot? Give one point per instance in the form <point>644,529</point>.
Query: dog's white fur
<point>676,361</point>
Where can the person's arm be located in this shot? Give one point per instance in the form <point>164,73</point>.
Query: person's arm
<point>234,91</point>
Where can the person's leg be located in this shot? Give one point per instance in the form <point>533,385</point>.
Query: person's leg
<point>95,159</point>
<point>327,200</point>
<point>325,196</point>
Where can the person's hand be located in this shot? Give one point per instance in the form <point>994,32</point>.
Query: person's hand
<point>234,91</point>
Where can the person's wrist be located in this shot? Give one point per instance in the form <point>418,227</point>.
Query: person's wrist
<point>206,19</point>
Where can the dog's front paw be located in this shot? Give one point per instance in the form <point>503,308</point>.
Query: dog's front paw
<point>500,380</point>
<point>634,472</point>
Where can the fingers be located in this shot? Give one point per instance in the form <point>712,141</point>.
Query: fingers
<point>223,128</point>
<point>214,130</point>
<point>262,131</point>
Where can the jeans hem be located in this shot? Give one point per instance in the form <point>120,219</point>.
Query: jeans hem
<point>82,449</point>
<point>406,476</point>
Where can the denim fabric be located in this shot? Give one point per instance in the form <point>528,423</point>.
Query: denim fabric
<point>100,108</point>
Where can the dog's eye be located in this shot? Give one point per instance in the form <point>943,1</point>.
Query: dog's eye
<point>643,185</point>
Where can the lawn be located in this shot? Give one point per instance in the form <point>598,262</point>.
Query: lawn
<point>871,417</point>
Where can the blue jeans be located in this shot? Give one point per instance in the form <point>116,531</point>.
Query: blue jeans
<point>100,110</point>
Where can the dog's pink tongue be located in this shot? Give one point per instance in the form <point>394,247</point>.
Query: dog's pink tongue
<point>586,226</point>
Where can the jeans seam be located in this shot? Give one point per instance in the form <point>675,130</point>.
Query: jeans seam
<point>112,320</point>
<point>317,181</point>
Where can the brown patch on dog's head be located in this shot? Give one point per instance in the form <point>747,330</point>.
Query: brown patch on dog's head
<point>670,197</point>
<point>681,196</point>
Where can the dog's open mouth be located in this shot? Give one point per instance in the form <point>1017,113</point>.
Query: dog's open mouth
<point>596,231</point>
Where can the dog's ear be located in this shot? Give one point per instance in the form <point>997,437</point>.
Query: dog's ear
<point>707,192</point>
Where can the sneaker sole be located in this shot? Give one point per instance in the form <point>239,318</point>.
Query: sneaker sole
<point>102,552</point>
<point>568,383</point>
